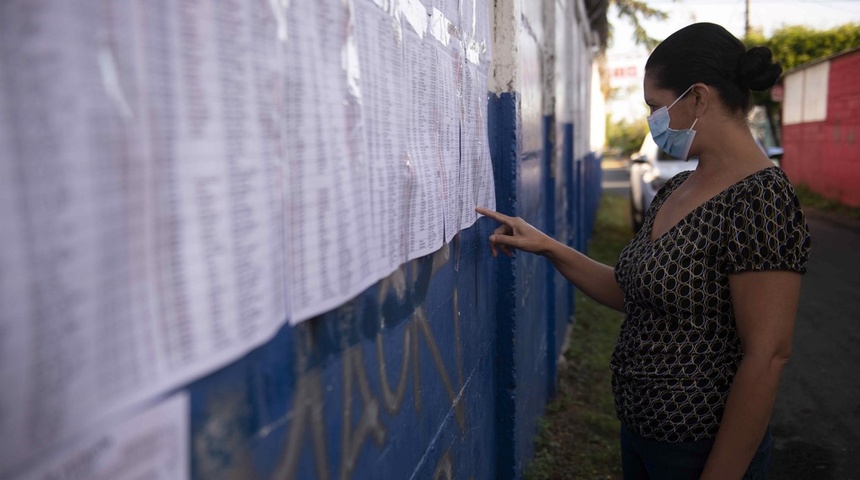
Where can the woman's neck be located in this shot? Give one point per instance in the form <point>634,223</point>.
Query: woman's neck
<point>732,152</point>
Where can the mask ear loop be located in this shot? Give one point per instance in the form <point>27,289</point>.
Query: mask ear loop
<point>682,96</point>
<point>687,159</point>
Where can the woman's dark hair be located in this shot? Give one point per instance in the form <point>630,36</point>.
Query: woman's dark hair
<point>708,53</point>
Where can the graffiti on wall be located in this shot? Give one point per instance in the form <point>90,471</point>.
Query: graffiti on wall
<point>220,446</point>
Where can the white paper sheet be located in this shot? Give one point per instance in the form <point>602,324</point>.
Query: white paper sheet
<point>145,220</point>
<point>15,337</point>
<point>383,113</point>
<point>179,178</point>
<point>450,9</point>
<point>152,445</point>
<point>333,245</point>
<point>477,186</point>
<point>449,95</point>
<point>472,145</point>
<point>426,217</point>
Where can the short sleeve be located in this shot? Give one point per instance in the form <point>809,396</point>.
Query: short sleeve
<point>767,229</point>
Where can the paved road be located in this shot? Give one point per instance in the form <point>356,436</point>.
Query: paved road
<point>616,178</point>
<point>816,421</point>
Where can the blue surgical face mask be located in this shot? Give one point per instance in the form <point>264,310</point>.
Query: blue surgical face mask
<point>674,142</point>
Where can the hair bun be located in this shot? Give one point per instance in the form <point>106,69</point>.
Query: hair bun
<point>757,70</point>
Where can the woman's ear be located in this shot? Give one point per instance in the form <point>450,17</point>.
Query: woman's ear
<point>702,95</point>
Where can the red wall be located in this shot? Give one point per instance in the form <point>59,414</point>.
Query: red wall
<point>825,156</point>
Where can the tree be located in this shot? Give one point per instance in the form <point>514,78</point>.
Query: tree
<point>633,11</point>
<point>625,137</point>
<point>796,45</point>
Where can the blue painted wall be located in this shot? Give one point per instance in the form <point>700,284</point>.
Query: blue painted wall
<point>440,370</point>
<point>398,383</point>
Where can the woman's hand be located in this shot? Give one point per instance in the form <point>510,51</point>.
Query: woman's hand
<point>593,278</point>
<point>515,233</point>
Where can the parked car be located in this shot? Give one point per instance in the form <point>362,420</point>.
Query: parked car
<point>764,133</point>
<point>651,168</point>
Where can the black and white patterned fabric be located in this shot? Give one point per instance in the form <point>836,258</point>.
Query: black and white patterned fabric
<point>678,349</point>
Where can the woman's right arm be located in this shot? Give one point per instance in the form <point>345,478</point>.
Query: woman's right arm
<point>594,278</point>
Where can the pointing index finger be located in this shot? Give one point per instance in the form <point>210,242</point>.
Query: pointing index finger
<point>500,217</point>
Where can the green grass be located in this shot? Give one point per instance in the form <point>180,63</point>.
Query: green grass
<point>808,198</point>
<point>578,437</point>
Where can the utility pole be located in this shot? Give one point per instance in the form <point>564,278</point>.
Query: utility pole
<point>747,20</point>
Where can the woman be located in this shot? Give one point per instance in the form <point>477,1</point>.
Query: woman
<point>710,284</point>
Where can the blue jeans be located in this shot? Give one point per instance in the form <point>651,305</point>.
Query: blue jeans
<point>646,459</point>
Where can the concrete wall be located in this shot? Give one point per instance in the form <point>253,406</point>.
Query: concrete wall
<point>821,124</point>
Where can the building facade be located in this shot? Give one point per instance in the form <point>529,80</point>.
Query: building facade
<point>820,127</point>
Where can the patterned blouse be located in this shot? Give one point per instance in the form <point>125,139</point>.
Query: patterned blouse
<point>678,349</point>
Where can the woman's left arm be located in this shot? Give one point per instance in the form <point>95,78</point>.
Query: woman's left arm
<point>765,306</point>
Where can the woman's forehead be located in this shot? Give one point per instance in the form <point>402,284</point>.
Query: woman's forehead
<point>650,88</point>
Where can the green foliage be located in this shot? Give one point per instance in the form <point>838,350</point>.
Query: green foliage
<point>634,10</point>
<point>625,137</point>
<point>795,45</point>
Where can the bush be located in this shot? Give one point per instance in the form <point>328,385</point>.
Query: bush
<point>625,137</point>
